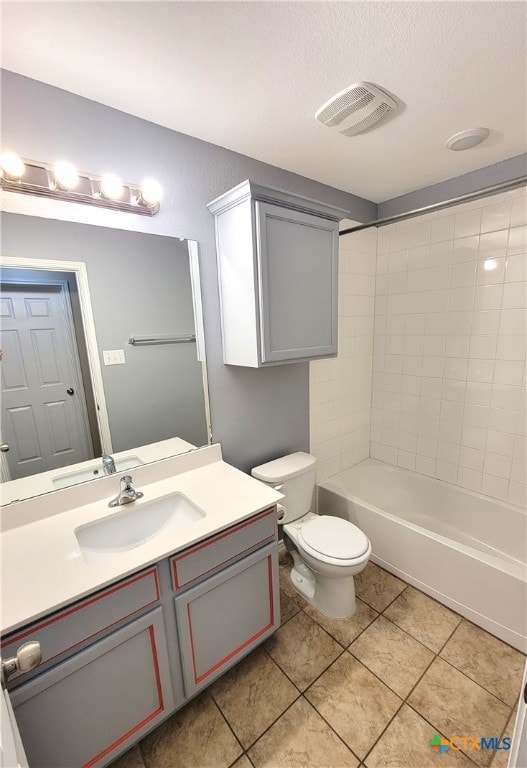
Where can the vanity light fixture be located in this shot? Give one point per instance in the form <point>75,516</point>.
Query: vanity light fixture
<point>111,187</point>
<point>12,165</point>
<point>66,176</point>
<point>62,181</point>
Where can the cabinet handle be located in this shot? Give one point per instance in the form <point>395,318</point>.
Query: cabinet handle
<point>27,657</point>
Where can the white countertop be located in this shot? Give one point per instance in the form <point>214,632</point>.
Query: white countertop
<point>42,565</point>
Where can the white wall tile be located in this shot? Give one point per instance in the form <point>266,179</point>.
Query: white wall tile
<point>467,223</point>
<point>495,486</point>
<point>517,240</point>
<point>486,321</point>
<point>490,271</point>
<point>514,296</point>
<point>519,212</point>
<point>495,464</point>
<point>463,274</point>
<point>465,249</point>
<point>449,383</point>
<point>471,458</point>
<point>497,216</point>
<point>515,270</point>
<point>488,297</point>
<point>442,229</point>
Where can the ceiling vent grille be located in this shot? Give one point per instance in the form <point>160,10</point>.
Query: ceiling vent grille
<point>356,109</point>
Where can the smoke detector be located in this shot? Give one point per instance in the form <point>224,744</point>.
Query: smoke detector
<point>467,139</point>
<point>356,109</point>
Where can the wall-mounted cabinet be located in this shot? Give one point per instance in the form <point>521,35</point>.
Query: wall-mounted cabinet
<point>277,268</point>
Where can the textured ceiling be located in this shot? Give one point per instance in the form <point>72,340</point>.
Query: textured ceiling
<point>250,76</point>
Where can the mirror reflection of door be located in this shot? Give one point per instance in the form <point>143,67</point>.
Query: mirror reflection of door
<point>44,413</point>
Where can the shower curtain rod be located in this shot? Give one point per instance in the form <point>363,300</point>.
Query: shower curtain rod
<point>438,206</point>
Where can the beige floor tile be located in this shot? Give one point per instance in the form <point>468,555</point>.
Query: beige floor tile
<point>377,587</point>
<point>459,707</point>
<point>344,630</point>
<point>130,759</point>
<point>253,695</point>
<point>243,762</point>
<point>301,739</point>
<point>354,702</point>
<point>195,737</point>
<point>406,744</point>
<point>486,660</point>
<point>428,621</point>
<point>392,655</point>
<point>302,649</point>
<point>289,607</point>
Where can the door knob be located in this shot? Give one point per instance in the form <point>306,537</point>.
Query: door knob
<point>4,447</point>
<point>26,658</point>
<point>70,391</point>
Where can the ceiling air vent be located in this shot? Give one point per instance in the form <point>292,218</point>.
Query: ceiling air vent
<point>356,109</point>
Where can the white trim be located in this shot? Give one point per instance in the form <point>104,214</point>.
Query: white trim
<point>197,306</point>
<point>81,275</point>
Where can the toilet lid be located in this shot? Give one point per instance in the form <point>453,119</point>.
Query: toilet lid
<point>334,537</point>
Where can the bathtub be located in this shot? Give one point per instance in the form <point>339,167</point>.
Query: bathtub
<point>466,550</point>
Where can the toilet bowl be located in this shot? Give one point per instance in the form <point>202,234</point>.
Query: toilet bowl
<point>327,551</point>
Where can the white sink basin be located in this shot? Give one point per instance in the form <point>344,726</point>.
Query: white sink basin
<point>133,526</point>
<point>89,473</point>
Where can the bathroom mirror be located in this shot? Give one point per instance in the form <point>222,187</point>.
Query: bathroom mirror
<point>102,352</point>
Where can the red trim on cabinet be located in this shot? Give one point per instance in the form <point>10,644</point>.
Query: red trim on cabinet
<point>147,719</point>
<point>177,558</point>
<point>81,606</point>
<point>243,645</point>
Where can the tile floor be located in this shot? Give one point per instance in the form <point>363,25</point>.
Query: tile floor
<point>371,691</point>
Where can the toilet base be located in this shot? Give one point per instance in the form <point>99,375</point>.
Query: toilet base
<point>335,598</point>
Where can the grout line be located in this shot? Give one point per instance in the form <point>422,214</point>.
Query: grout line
<point>450,664</point>
<point>228,724</point>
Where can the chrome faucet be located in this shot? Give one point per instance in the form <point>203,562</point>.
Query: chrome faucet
<point>108,464</point>
<point>127,493</point>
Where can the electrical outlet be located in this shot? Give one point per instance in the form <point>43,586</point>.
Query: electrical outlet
<point>113,356</point>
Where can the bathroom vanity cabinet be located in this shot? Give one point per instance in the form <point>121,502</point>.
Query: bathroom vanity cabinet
<point>117,663</point>
<point>277,267</point>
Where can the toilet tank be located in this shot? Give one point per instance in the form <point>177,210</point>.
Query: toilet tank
<point>295,474</point>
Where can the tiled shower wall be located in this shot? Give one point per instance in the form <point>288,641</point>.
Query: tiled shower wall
<point>448,396</point>
<point>340,388</point>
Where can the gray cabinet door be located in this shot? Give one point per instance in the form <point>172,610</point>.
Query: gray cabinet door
<point>89,709</point>
<point>226,616</point>
<point>298,266</point>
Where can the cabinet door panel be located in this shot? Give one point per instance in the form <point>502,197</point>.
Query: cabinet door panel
<point>298,256</point>
<point>220,620</point>
<point>85,711</point>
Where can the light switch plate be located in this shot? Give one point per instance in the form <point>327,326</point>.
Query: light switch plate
<point>113,356</point>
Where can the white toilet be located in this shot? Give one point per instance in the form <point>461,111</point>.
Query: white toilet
<point>327,551</point>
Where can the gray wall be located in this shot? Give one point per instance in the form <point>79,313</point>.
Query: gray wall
<point>507,170</point>
<point>256,414</point>
<point>139,285</point>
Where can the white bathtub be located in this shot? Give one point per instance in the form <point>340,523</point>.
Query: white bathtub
<point>464,549</point>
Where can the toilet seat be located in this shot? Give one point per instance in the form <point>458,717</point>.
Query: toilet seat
<point>333,540</point>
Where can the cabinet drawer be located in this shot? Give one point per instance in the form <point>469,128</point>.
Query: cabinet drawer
<point>66,630</point>
<point>202,559</point>
<point>88,709</point>
<point>224,617</point>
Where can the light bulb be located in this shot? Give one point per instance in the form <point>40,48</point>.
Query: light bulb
<point>12,166</point>
<point>66,176</point>
<point>151,192</point>
<point>111,187</point>
<point>490,264</point>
